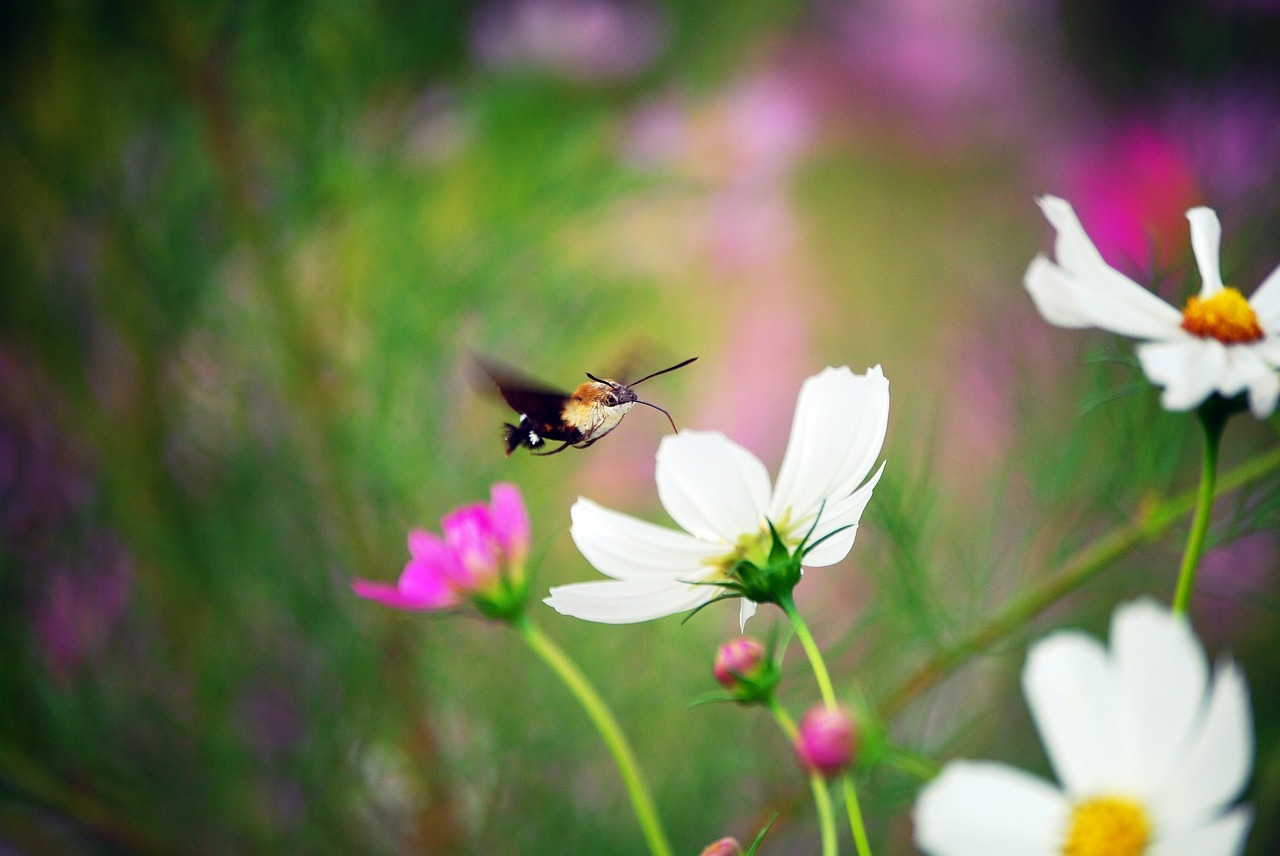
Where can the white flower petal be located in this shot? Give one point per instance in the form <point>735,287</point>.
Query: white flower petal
<point>983,809</point>
<point>610,602</point>
<point>629,549</point>
<point>836,435</point>
<point>1206,238</point>
<point>1266,303</point>
<point>1263,393</point>
<point>715,489</point>
<point>1213,768</point>
<point>745,611</point>
<point>1249,367</point>
<point>1068,685</point>
<point>1056,295</point>
<point>1160,674</point>
<point>1224,837</point>
<point>1082,289</point>
<point>845,513</point>
<point>1189,369</point>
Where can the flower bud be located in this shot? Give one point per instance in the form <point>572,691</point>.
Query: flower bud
<point>828,740</point>
<point>723,847</point>
<point>737,659</point>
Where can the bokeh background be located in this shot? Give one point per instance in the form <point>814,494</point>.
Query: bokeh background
<point>247,250</point>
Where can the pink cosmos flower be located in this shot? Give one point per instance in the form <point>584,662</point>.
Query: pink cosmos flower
<point>723,847</point>
<point>741,657</point>
<point>480,557</point>
<point>828,740</point>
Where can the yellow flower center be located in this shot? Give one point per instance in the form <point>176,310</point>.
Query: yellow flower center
<point>1226,316</point>
<point>1107,826</point>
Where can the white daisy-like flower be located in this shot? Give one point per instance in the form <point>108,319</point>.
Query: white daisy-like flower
<point>719,493</point>
<point>1219,342</point>
<point>1150,753</point>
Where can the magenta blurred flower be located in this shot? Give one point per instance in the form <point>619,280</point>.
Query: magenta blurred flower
<point>583,40</point>
<point>1130,189</point>
<point>480,558</point>
<point>723,847</point>
<point>736,659</point>
<point>83,604</point>
<point>828,740</point>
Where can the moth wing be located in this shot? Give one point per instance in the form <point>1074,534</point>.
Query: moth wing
<point>541,403</point>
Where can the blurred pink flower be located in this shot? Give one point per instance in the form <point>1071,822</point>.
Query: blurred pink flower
<point>583,40</point>
<point>82,605</point>
<point>948,69</point>
<point>749,135</point>
<point>1130,188</point>
<point>723,847</point>
<point>1231,138</point>
<point>1232,594</point>
<point>828,740</point>
<point>480,557</point>
<point>737,658</point>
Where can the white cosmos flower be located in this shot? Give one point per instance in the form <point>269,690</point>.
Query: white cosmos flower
<point>1218,343</point>
<point>1149,751</point>
<point>719,493</point>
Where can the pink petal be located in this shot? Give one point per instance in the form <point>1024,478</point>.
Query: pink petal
<point>398,598</point>
<point>510,521</point>
<point>470,535</point>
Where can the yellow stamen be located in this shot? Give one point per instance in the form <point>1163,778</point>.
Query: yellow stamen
<point>1226,316</point>
<point>1107,826</point>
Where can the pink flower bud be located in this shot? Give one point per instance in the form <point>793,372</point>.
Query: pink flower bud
<point>723,847</point>
<point>738,657</point>
<point>828,740</point>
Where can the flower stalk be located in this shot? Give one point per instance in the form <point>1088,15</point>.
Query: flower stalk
<point>605,722</point>
<point>821,795</point>
<point>1083,566</point>
<point>823,677</point>
<point>1213,418</point>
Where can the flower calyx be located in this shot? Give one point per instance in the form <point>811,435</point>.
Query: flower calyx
<point>770,576</point>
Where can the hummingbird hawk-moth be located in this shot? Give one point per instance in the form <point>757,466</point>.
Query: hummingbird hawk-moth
<point>578,419</point>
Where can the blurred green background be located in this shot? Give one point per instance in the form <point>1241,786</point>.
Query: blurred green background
<point>248,249</point>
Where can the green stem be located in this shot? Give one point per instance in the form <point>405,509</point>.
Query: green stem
<point>821,795</point>
<point>811,650</point>
<point>1148,525</point>
<point>823,678</point>
<point>854,811</point>
<point>607,725</point>
<point>1213,423</point>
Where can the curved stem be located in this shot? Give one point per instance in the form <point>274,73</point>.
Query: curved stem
<point>811,650</point>
<point>854,811</point>
<point>1213,425</point>
<point>1088,562</point>
<point>823,678</point>
<point>821,795</point>
<point>607,725</point>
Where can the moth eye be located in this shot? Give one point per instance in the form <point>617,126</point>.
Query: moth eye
<point>610,400</point>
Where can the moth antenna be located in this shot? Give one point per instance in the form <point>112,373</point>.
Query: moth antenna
<point>656,407</point>
<point>664,371</point>
<point>611,383</point>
